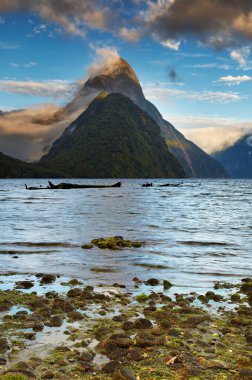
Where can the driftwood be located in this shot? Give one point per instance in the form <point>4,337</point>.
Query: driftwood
<point>77,186</point>
<point>36,188</point>
<point>170,184</point>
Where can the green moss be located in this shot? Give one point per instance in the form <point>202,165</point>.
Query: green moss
<point>14,376</point>
<point>87,246</point>
<point>142,297</point>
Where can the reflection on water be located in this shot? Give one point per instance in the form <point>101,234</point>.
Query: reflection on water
<point>195,234</point>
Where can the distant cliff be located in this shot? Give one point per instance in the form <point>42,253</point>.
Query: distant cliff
<point>237,159</point>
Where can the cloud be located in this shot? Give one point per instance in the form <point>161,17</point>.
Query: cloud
<point>171,44</point>
<point>2,20</point>
<point>9,46</point>
<point>26,65</point>
<point>218,23</point>
<point>22,137</point>
<point>241,55</point>
<point>74,17</point>
<point>51,89</point>
<point>211,133</point>
<point>131,35</point>
<point>155,93</point>
<point>104,62</point>
<point>230,80</point>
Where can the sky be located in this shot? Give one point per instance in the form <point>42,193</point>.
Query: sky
<point>193,58</point>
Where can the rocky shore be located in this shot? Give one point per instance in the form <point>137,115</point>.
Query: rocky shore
<point>107,332</point>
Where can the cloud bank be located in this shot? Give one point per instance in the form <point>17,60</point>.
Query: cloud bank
<point>53,89</point>
<point>219,23</point>
<point>211,133</point>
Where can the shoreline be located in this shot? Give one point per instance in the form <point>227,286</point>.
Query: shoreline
<point>106,332</point>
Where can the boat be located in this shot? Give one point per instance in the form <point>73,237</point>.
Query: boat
<point>65,185</point>
<point>147,184</point>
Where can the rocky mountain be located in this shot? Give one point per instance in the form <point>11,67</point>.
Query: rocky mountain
<point>237,159</point>
<point>13,168</point>
<point>122,79</point>
<point>113,138</point>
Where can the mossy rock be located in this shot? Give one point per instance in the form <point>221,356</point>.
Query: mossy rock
<point>87,246</point>
<point>113,243</point>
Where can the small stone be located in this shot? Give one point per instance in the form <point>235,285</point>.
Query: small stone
<point>152,281</point>
<point>3,361</point>
<point>30,335</point>
<point>24,284</point>
<point>87,246</point>
<point>143,323</point>
<point>57,320</point>
<point>124,374</point>
<point>136,354</point>
<point>4,345</point>
<point>75,315</point>
<point>128,325</point>
<point>245,374</point>
<point>117,318</point>
<point>111,367</point>
<point>167,284</point>
<point>48,375</point>
<point>75,292</point>
<point>48,279</point>
<point>38,327</point>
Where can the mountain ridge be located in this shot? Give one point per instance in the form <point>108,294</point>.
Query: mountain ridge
<point>113,138</point>
<point>122,79</point>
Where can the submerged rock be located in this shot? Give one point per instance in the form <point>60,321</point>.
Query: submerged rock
<point>152,282</point>
<point>48,279</point>
<point>24,284</point>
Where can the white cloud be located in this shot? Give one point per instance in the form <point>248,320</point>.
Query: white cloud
<point>241,55</point>
<point>51,89</point>
<point>163,93</point>
<point>230,80</point>
<point>2,20</point>
<point>171,44</point>
<point>131,35</point>
<point>211,133</point>
<point>9,46</point>
<point>26,65</point>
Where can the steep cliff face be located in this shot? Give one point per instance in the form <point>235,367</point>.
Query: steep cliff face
<point>237,159</point>
<point>113,138</point>
<point>122,79</point>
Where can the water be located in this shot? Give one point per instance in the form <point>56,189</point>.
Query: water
<point>195,234</point>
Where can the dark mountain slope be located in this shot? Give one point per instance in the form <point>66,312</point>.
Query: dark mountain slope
<point>13,168</point>
<point>122,79</point>
<point>113,138</point>
<point>237,159</point>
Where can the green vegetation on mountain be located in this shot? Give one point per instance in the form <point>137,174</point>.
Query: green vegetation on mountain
<point>13,168</point>
<point>122,79</point>
<point>113,138</point>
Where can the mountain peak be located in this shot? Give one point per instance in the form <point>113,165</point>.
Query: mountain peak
<point>113,69</point>
<point>118,77</point>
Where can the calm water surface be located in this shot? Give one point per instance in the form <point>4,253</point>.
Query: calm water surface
<point>195,234</point>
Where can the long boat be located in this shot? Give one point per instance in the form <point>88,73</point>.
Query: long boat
<point>65,185</point>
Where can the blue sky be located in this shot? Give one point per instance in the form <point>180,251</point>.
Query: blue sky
<point>198,73</point>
